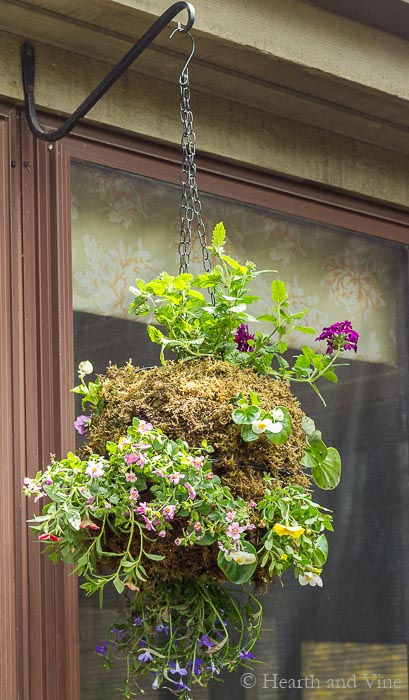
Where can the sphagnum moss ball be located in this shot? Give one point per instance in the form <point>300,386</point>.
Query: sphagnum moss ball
<point>194,399</point>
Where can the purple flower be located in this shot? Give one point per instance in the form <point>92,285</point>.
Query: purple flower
<point>242,337</point>
<point>163,628</point>
<point>175,668</point>
<point>138,622</point>
<point>182,686</point>
<point>196,668</point>
<point>102,649</point>
<point>204,639</point>
<point>145,656</point>
<point>81,424</point>
<point>118,632</point>
<point>340,336</point>
<point>246,655</point>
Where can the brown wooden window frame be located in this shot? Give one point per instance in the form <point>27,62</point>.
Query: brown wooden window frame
<point>39,650</point>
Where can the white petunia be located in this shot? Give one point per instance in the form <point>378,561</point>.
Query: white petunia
<point>275,427</point>
<point>260,426</point>
<point>278,414</point>
<point>241,557</point>
<point>85,367</point>
<point>310,579</point>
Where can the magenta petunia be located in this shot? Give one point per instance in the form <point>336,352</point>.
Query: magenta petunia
<point>242,337</point>
<point>340,336</point>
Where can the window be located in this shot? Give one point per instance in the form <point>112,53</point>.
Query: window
<point>126,225</point>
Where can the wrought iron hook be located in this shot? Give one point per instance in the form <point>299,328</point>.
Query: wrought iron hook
<point>179,28</point>
<point>28,67</point>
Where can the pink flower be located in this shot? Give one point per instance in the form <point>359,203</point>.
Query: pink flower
<point>169,512</point>
<point>130,458</point>
<point>209,475</point>
<point>190,490</point>
<point>197,527</point>
<point>95,469</point>
<point>86,522</point>
<point>230,515</point>
<point>48,481</point>
<point>148,523</point>
<point>130,476</point>
<point>81,424</point>
<point>108,505</point>
<point>251,526</point>
<point>133,494</point>
<point>234,531</point>
<point>50,537</point>
<point>144,427</point>
<point>143,508</point>
<point>175,477</point>
<point>141,446</point>
<point>178,541</point>
<point>162,533</point>
<point>197,462</point>
<point>253,504</point>
<point>39,495</point>
<point>159,472</point>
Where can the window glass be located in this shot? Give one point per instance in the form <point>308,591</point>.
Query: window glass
<point>350,638</point>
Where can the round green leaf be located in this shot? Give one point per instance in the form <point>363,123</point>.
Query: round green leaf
<point>328,474</point>
<point>247,433</point>
<point>245,416</point>
<point>320,553</point>
<point>238,573</point>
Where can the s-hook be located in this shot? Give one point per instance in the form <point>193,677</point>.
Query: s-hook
<point>28,66</point>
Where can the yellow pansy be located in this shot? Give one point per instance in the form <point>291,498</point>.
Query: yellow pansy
<point>294,531</point>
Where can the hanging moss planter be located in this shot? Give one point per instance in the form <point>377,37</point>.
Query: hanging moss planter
<point>195,476</point>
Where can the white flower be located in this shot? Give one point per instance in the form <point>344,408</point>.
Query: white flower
<point>241,557</point>
<point>260,426</point>
<point>275,427</point>
<point>308,578</point>
<point>278,414</point>
<point>85,367</point>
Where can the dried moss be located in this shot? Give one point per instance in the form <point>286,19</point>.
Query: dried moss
<point>191,400</point>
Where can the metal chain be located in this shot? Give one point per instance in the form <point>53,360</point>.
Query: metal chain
<point>190,205</point>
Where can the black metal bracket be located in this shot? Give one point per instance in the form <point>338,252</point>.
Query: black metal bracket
<point>28,66</point>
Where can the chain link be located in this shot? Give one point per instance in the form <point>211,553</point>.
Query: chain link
<point>190,205</point>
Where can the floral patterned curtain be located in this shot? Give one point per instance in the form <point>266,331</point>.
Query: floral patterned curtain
<point>126,226</point>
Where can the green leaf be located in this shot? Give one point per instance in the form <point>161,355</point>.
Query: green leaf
<point>327,475</point>
<point>118,584</point>
<point>305,329</point>
<point>154,557</point>
<point>219,235</point>
<point>155,334</point>
<point>320,553</point>
<point>308,425</point>
<point>278,291</point>
<point>330,376</point>
<point>238,573</point>
<point>247,433</point>
<point>207,539</point>
<point>245,416</point>
<point>74,519</point>
<point>318,449</point>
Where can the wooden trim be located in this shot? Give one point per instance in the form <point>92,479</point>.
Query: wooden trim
<point>52,592</point>
<point>8,578</point>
